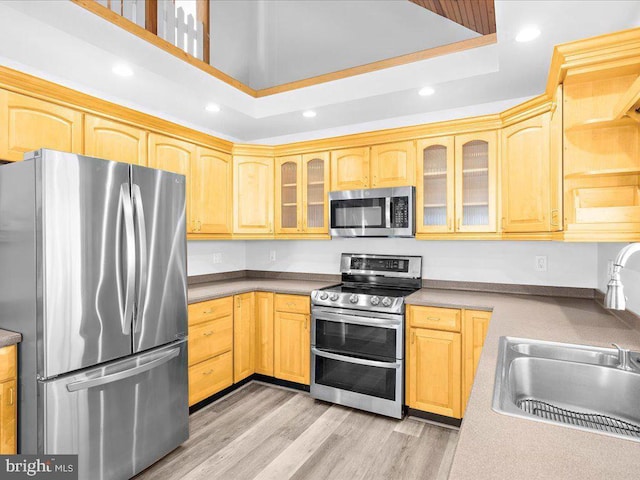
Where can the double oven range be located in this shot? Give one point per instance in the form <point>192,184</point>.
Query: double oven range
<point>357,336</point>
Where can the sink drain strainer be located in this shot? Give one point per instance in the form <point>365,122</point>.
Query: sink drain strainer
<point>602,423</point>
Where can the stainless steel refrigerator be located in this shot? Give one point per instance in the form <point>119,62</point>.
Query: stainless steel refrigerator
<point>93,274</point>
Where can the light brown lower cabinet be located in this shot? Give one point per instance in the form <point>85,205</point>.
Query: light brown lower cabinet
<point>210,349</point>
<point>244,336</point>
<point>443,348</point>
<point>264,333</point>
<point>233,337</point>
<point>8,400</point>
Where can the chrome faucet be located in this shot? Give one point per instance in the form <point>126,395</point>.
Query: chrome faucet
<point>623,357</point>
<point>615,299</point>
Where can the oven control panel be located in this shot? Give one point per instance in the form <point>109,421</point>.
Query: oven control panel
<point>358,301</point>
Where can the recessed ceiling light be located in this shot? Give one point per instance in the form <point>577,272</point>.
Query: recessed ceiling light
<point>426,91</point>
<point>309,114</point>
<point>528,33</point>
<point>122,70</point>
<point>212,107</point>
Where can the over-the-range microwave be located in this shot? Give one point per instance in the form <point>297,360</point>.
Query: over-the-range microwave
<point>375,212</point>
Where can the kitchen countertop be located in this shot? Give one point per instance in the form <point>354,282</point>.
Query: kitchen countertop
<point>495,446</point>
<point>224,288</point>
<point>8,338</point>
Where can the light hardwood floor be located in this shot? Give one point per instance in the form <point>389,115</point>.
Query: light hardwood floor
<point>270,433</point>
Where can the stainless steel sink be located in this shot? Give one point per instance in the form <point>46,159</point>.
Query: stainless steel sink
<point>576,386</point>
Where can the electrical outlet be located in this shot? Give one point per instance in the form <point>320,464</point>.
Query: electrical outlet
<point>272,256</point>
<point>541,263</point>
<point>217,258</point>
<point>610,268</point>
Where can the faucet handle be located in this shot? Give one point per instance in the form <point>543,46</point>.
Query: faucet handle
<point>623,357</point>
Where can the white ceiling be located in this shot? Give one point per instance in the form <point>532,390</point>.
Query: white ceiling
<point>60,41</point>
<point>264,43</point>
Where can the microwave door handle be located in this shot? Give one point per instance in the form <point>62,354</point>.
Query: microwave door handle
<point>359,361</point>
<point>387,211</point>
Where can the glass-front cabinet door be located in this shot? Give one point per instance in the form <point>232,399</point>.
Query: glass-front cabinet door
<point>476,182</point>
<point>315,179</point>
<point>435,193</point>
<point>289,194</point>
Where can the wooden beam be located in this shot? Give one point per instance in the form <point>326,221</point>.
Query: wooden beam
<point>151,16</point>
<point>476,15</point>
<point>203,16</point>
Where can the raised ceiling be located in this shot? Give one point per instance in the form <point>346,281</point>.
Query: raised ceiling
<point>60,41</point>
<point>266,43</point>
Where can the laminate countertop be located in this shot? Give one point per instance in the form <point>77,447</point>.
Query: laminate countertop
<point>208,291</point>
<point>495,446</point>
<point>8,338</point>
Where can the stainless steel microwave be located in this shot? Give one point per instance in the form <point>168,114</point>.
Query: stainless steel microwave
<point>375,212</point>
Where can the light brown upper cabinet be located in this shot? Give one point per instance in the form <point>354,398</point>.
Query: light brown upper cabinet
<point>211,197</point>
<point>253,195</point>
<point>302,185</point>
<point>476,174</point>
<point>393,165</point>
<point>166,153</point>
<point>114,141</point>
<point>456,191</point>
<point>528,188</point>
<point>435,195</point>
<point>289,194</point>
<point>29,124</point>
<point>350,169</point>
<point>601,157</point>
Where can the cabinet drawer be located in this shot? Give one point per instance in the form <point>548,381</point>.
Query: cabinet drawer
<point>210,339</point>
<point>292,303</point>
<point>210,376</point>
<point>435,318</point>
<point>8,363</point>
<point>209,310</point>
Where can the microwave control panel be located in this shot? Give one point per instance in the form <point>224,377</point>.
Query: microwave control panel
<point>400,214</point>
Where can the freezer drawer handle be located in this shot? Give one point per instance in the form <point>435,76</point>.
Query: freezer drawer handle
<point>359,361</point>
<point>114,377</point>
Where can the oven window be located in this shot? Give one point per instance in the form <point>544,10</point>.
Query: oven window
<point>374,381</point>
<point>358,213</point>
<point>376,343</point>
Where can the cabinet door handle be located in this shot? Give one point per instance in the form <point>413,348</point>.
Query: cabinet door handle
<point>449,224</point>
<point>208,334</point>
<point>459,223</point>
<point>291,304</point>
<point>207,312</point>
<point>554,217</point>
<point>208,372</point>
<point>434,319</point>
<point>306,322</point>
<point>11,400</point>
<point>413,337</point>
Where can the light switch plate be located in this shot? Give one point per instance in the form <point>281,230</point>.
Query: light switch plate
<point>541,263</point>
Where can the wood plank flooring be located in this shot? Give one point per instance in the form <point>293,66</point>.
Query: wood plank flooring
<point>262,432</point>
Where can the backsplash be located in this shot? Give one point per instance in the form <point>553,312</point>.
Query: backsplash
<point>511,262</point>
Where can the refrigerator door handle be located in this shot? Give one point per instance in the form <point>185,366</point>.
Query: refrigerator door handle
<point>143,258</point>
<point>125,216</point>
<point>114,377</point>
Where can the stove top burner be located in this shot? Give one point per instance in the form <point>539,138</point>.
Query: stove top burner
<point>372,290</point>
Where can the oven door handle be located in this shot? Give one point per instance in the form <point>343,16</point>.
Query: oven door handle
<point>359,361</point>
<point>366,321</point>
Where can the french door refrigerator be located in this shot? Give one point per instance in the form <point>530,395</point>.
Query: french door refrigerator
<point>93,274</point>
